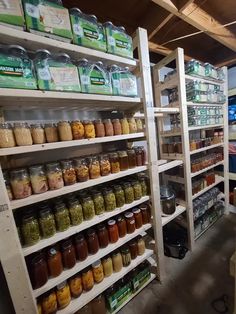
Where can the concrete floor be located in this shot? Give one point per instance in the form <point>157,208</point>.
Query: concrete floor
<point>195,281</point>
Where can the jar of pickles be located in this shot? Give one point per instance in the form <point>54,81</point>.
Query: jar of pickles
<point>107,266</point>
<point>98,274</point>
<point>62,217</point>
<point>38,134</point>
<point>20,183</point>
<point>132,125</point>
<point>120,195</point>
<point>82,169</point>
<point>47,222</point>
<point>137,189</point>
<point>68,171</point>
<point>51,132</point>
<point>63,295</point>
<point>88,207</point>
<point>117,127</point>
<point>65,132</point>
<point>125,126</point>
<point>129,193</point>
<point>38,179</point>
<point>99,203</point>
<point>117,261</point>
<point>131,158</point>
<point>30,229</point>
<point>77,128</point>
<point>94,167</point>
<point>99,128</point>
<point>22,134</point>
<point>126,256</point>
<point>87,279</point>
<point>76,212</point>
<point>81,247</point>
<point>6,136</point>
<point>105,165</point>
<point>123,160</point>
<point>110,200</point>
<point>68,254</point>
<point>54,176</point>
<point>89,129</point>
<point>76,287</point>
<point>115,164</point>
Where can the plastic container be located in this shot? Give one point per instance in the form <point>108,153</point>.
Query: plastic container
<point>12,14</point>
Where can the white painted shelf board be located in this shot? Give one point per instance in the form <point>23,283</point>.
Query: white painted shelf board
<point>73,188</point>
<point>218,179</point>
<point>165,110</point>
<point>190,103</point>
<point>30,99</point>
<point>86,297</point>
<point>194,174</point>
<point>172,156</point>
<point>232,92</point>
<point>209,80</point>
<point>179,210</point>
<point>83,226</point>
<point>232,137</point>
<point>212,126</point>
<point>232,176</point>
<point>33,42</point>
<point>153,276</point>
<point>169,165</point>
<point>192,152</point>
<point>203,231</point>
<point>65,144</point>
<point>176,179</point>
<point>90,260</point>
<point>169,134</point>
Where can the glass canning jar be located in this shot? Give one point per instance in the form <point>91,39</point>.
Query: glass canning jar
<point>99,203</point>
<point>38,179</point>
<point>88,207</point>
<point>125,126</point>
<point>105,165</point>
<point>122,228</point>
<point>54,176</point>
<point>107,266</point>
<point>6,136</point>
<point>120,195</point>
<point>117,127</point>
<point>139,156</point>
<point>130,222</point>
<point>145,214</point>
<point>110,199</point>
<point>129,193</point>
<point>87,279</point>
<point>109,131</point>
<point>89,129</point>
<point>141,246</point>
<point>132,125</point>
<point>139,124</point>
<point>126,256</point>
<point>144,186</point>
<point>22,134</point>
<point>20,183</point>
<point>133,248</point>
<point>103,236</point>
<point>62,217</point>
<point>137,189</point>
<point>54,261</point>
<point>113,231</point>
<point>98,273</point>
<point>94,167</point>
<point>38,271</point>
<point>49,302</point>
<point>76,212</point>
<point>123,160</point>
<point>81,247</point>
<point>77,128</point>
<point>51,132</point>
<point>7,183</point>
<point>117,261</point>
<point>47,222</point>
<point>68,171</point>
<point>63,295</point>
<point>99,128</point>
<point>38,134</point>
<point>138,217</point>
<point>131,158</point>
<point>82,169</point>
<point>76,287</point>
<point>68,254</point>
<point>115,164</point>
<point>92,241</point>
<point>65,132</point>
<point>30,229</point>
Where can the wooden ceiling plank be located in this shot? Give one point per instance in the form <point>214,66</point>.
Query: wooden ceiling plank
<point>163,50</point>
<point>227,62</point>
<point>162,24</point>
<point>200,19</point>
<point>182,4</point>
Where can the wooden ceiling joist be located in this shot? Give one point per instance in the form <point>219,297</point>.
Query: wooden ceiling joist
<point>197,17</point>
<point>163,50</point>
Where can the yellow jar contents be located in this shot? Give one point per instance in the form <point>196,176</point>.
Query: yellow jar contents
<point>6,136</point>
<point>98,274</point>
<point>107,266</point>
<point>49,303</point>
<point>65,132</point>
<point>89,129</point>
<point>51,132</point>
<point>38,134</point>
<point>125,126</point>
<point>63,295</point>
<point>132,125</point>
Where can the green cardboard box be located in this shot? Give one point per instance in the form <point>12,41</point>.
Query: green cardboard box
<point>124,83</point>
<point>11,13</point>
<point>115,300</point>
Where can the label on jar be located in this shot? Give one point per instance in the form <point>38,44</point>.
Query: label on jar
<point>132,221</point>
<point>54,17</point>
<point>64,75</point>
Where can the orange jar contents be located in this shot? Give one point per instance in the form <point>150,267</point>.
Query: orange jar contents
<point>99,128</point>
<point>138,218</point>
<point>117,127</point>
<point>76,287</point>
<point>89,129</point>
<point>63,295</point>
<point>115,164</point>
<point>77,129</point>
<point>113,231</point>
<point>54,261</point>
<point>130,222</point>
<point>109,131</point>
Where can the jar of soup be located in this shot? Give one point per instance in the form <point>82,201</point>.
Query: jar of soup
<point>131,158</point>
<point>121,223</point>
<point>120,195</point>
<point>8,186</point>
<point>107,266</point>
<point>47,222</point>
<point>82,169</point>
<point>94,167</point>
<point>38,179</point>
<point>51,132</point>
<point>113,231</point>
<point>88,207</point>
<point>76,212</point>
<point>89,129</point>
<point>117,127</point>
<point>125,126</point>
<point>99,203</point>
<point>126,256</point>
<point>109,131</point>
<point>68,171</point>
<point>75,284</point>
<point>62,217</point>
<point>38,271</point>
<point>20,183</point>
<point>132,125</point>
<point>110,200</point>
<point>129,193</point>
<point>130,222</point>
<point>54,260</point>
<point>54,176</point>
<point>138,217</point>
<point>139,156</point>
<point>123,160</point>
<point>30,229</point>
<point>22,134</point>
<point>68,254</point>
<point>63,295</point>
<point>103,236</point>
<point>145,214</point>
<point>6,136</point>
<point>105,165</point>
<point>139,124</point>
<point>65,132</point>
<point>115,164</point>
<point>133,248</point>
<point>98,274</point>
<point>141,246</point>
<point>117,261</point>
<point>49,302</point>
<point>77,130</point>
<point>144,186</point>
<point>38,134</point>
<point>92,241</point>
<point>81,247</point>
<point>87,279</point>
<point>99,128</point>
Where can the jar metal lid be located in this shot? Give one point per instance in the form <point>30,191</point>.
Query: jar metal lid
<point>21,125</point>
<point>79,238</point>
<point>5,126</point>
<point>136,210</point>
<point>96,264</point>
<point>19,171</point>
<point>36,126</point>
<point>66,244</point>
<point>129,215</point>
<point>61,285</point>
<point>111,222</point>
<point>52,252</point>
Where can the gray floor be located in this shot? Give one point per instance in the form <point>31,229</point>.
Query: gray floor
<point>195,281</point>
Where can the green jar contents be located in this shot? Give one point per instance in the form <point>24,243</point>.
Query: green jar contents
<point>120,195</point>
<point>88,207</point>
<point>87,32</point>
<point>16,68</point>
<point>94,78</point>
<point>110,200</point>
<point>62,217</point>
<point>30,229</point>
<point>118,41</point>
<point>144,187</point>
<point>56,72</point>
<point>99,203</point>
<point>124,83</point>
<point>137,190</point>
<point>129,193</point>
<point>76,212</point>
<point>48,18</point>
<point>47,222</point>
<point>12,14</point>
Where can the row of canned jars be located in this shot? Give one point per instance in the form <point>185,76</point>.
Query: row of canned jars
<point>21,134</point>
<point>201,162</point>
<point>23,183</point>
